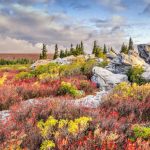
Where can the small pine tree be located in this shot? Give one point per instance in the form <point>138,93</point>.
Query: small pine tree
<point>94,48</point>
<point>82,48</point>
<point>124,49</point>
<point>131,47</point>
<point>76,52</point>
<point>105,49</point>
<point>43,55</point>
<point>66,53</point>
<point>40,56</point>
<point>99,51</point>
<point>56,54</point>
<point>71,50</point>
<point>62,54</point>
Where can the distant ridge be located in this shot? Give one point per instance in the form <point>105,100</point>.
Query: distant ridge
<point>12,56</point>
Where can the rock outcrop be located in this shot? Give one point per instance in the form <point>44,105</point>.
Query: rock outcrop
<point>40,62</point>
<point>123,62</point>
<point>105,79</point>
<point>146,74</point>
<point>111,55</point>
<point>63,61</point>
<point>91,101</point>
<point>144,52</point>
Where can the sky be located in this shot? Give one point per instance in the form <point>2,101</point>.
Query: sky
<point>26,24</point>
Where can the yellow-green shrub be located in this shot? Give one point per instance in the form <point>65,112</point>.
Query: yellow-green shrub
<point>46,77</point>
<point>68,88</point>
<point>141,132</point>
<point>134,91</point>
<point>24,75</point>
<point>51,68</point>
<point>134,75</point>
<point>87,67</point>
<point>54,128</point>
<point>47,144</point>
<point>3,79</point>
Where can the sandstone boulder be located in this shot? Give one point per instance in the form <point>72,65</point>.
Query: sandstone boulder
<point>106,79</point>
<point>146,74</point>
<point>40,62</point>
<point>123,62</point>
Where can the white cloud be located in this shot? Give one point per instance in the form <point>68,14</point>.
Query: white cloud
<point>25,30</point>
<point>115,5</point>
<point>11,45</point>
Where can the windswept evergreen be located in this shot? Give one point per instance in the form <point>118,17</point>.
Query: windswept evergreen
<point>124,49</point>
<point>98,51</point>
<point>105,49</point>
<point>78,50</point>
<point>56,54</point>
<point>131,47</point>
<point>43,55</point>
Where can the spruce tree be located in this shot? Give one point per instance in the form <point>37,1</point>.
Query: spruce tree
<point>62,55</point>
<point>82,48</point>
<point>99,52</point>
<point>43,55</point>
<point>124,49</point>
<point>40,56</point>
<point>131,47</point>
<point>71,50</point>
<point>56,54</point>
<point>94,48</point>
<point>66,53</point>
<point>77,50</point>
<point>105,49</point>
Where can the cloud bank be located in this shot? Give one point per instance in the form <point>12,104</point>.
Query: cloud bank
<point>26,24</point>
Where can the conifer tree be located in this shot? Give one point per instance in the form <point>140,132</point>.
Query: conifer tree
<point>82,48</point>
<point>43,55</point>
<point>99,52</point>
<point>71,50</point>
<point>94,48</point>
<point>131,47</point>
<point>105,49</point>
<point>124,49</point>
<point>56,54</point>
<point>66,53</point>
<point>62,55</point>
<point>40,56</point>
<point>77,50</point>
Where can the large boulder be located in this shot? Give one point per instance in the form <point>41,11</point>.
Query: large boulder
<point>106,79</point>
<point>40,62</point>
<point>111,55</point>
<point>123,62</point>
<point>144,52</point>
<point>146,74</point>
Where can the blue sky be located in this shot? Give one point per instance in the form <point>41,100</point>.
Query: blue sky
<point>26,24</point>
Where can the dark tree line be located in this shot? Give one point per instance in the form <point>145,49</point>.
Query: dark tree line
<point>79,50</point>
<point>99,51</point>
<point>14,62</point>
